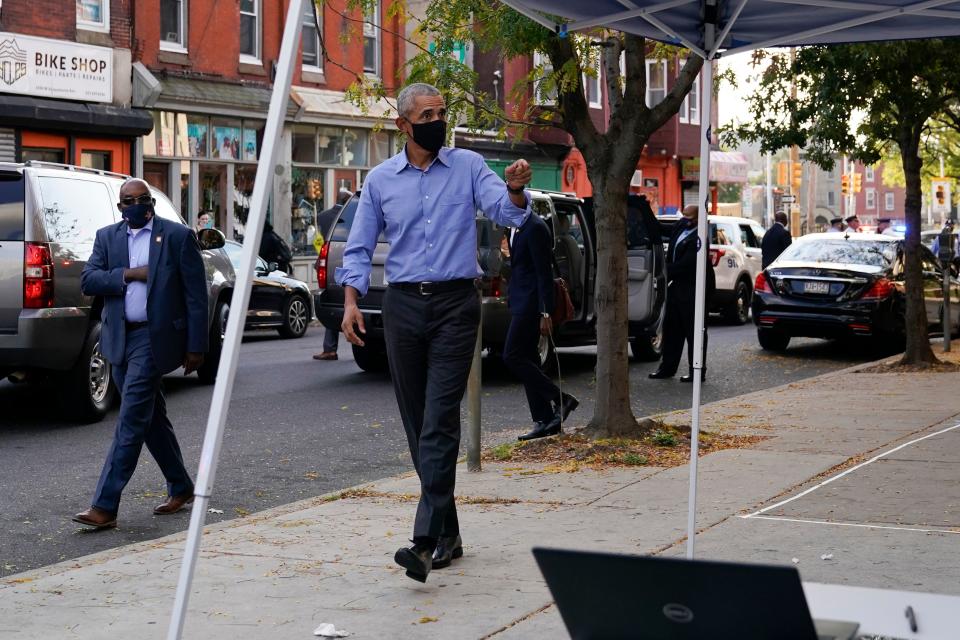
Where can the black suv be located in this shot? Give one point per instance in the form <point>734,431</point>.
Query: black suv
<point>574,249</point>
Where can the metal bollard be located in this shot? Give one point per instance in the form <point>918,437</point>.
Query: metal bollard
<point>474,384</point>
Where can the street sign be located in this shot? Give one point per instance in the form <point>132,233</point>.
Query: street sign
<point>790,199</point>
<point>942,201</point>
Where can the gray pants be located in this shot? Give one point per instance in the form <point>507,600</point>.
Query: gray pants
<point>430,341</point>
<point>331,339</point>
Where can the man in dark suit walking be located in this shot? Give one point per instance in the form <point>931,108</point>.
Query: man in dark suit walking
<point>681,297</point>
<point>776,239</point>
<point>151,277</point>
<point>530,301</point>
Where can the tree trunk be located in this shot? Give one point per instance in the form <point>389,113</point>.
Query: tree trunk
<point>612,415</point>
<point>918,349</point>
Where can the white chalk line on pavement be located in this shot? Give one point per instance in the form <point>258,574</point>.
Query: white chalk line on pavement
<point>851,524</point>
<point>849,471</point>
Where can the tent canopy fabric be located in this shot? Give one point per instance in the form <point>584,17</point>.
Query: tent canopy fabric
<point>755,24</point>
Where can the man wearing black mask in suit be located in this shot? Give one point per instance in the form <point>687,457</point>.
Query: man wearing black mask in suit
<point>681,297</point>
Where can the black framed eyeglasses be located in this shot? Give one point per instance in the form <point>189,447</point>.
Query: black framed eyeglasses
<point>144,198</point>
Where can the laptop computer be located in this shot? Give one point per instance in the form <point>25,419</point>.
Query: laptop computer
<point>603,596</point>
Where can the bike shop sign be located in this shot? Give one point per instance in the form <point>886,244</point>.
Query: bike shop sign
<point>55,69</point>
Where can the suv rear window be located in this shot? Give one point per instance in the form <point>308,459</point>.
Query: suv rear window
<point>11,206</point>
<point>74,209</point>
<point>342,228</point>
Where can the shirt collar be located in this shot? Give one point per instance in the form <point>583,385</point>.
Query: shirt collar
<point>135,232</point>
<point>400,161</point>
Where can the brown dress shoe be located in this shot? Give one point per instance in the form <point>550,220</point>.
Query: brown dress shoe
<point>326,355</point>
<point>173,504</point>
<point>96,518</point>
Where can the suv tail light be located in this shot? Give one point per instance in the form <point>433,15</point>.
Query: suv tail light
<point>493,288</point>
<point>37,276</point>
<point>880,289</point>
<point>761,284</point>
<point>715,255</point>
<point>322,265</point>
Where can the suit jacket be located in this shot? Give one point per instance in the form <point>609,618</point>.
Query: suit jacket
<point>775,240</point>
<point>176,292</point>
<point>531,275</point>
<point>682,267</point>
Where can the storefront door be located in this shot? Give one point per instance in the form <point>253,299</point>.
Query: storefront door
<point>102,153</point>
<point>213,193</point>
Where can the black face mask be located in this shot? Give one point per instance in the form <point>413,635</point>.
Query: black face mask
<point>430,135</point>
<point>136,215</point>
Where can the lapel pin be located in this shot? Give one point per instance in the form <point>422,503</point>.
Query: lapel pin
<point>159,239</point>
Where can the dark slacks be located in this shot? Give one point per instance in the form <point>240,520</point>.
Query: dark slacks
<point>331,339</point>
<point>143,420</point>
<point>430,341</point>
<point>678,327</point>
<point>521,355</point>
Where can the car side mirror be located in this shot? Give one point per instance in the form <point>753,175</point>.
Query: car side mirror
<point>211,239</point>
<point>272,266</point>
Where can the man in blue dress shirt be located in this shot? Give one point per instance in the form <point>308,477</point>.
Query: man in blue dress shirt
<point>425,200</point>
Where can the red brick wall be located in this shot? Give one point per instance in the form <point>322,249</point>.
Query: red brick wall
<point>214,44</point>
<point>58,19</point>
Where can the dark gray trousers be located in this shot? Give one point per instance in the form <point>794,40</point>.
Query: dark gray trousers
<point>430,341</point>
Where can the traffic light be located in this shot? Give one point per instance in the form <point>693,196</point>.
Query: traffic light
<point>314,191</point>
<point>783,173</point>
<point>857,182</point>
<point>845,184</point>
<point>797,179</point>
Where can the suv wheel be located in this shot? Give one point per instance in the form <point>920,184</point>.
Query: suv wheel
<point>296,317</point>
<point>738,312</point>
<point>89,390</point>
<point>208,370</point>
<point>773,340</point>
<point>372,357</point>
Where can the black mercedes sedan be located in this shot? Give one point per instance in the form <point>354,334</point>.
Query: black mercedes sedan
<point>277,300</point>
<point>843,285</point>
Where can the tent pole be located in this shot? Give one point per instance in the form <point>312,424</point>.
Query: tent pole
<point>227,370</point>
<point>703,241</point>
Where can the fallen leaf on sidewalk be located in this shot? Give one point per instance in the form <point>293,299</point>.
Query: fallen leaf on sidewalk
<point>20,580</point>
<point>427,619</point>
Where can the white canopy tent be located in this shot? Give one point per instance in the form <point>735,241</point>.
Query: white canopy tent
<point>703,26</point>
<point>706,27</point>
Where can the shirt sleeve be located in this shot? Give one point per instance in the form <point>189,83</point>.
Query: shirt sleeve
<point>491,197</point>
<point>367,226</point>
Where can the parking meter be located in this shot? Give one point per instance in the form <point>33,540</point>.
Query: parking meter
<point>946,251</point>
<point>946,246</point>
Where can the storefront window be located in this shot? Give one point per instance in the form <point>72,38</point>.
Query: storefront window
<point>159,142</point>
<point>331,145</point>
<point>304,144</point>
<point>242,194</point>
<point>379,147</point>
<point>185,193</point>
<point>307,190</point>
<point>213,192</point>
<point>95,160</point>
<point>197,134</point>
<point>252,139</point>
<point>356,140</point>
<point>226,138</point>
<point>42,155</point>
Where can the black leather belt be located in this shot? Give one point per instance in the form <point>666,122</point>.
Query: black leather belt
<point>135,325</point>
<point>431,288</point>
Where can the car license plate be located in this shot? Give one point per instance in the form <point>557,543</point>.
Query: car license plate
<point>816,287</point>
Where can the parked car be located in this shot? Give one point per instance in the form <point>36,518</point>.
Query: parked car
<point>573,231</point>
<point>736,256</point>
<point>831,285</point>
<point>277,301</point>
<point>49,216</point>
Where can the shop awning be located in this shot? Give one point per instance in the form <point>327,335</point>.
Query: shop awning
<point>728,166</point>
<point>197,94</point>
<point>60,115</point>
<point>321,104</point>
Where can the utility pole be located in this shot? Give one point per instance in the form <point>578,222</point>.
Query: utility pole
<point>794,162</point>
<point>768,214</point>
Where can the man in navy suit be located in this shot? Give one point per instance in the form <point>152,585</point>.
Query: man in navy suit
<point>776,239</point>
<point>530,301</point>
<point>150,275</point>
<point>678,320</point>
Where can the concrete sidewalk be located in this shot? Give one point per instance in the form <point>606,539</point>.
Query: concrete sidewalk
<point>892,523</point>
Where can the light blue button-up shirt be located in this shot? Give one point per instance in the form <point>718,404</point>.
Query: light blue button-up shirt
<point>427,216</point>
<point>135,297</point>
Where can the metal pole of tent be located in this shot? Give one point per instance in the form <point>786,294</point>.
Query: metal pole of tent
<point>227,370</point>
<point>703,241</point>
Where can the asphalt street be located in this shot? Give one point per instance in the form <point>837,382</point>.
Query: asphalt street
<point>298,428</point>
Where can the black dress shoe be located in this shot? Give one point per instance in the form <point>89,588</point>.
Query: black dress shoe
<point>659,375</point>
<point>417,560</point>
<point>542,430</point>
<point>449,548</point>
<point>689,377</point>
<point>567,405</point>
